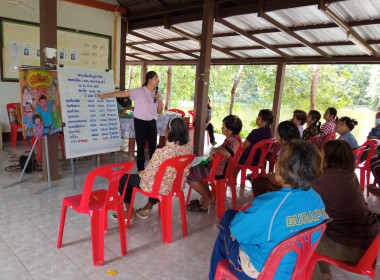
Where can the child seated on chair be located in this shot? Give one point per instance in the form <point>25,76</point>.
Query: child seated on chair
<point>231,128</point>
<point>177,145</point>
<point>353,227</point>
<point>247,238</point>
<point>299,118</point>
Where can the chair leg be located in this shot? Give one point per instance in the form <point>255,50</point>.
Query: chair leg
<point>61,224</point>
<point>130,210</point>
<point>362,178</point>
<point>14,135</point>
<point>220,198</point>
<point>243,173</point>
<point>233,190</point>
<point>97,237</point>
<point>166,219</point>
<point>183,212</point>
<point>122,231</point>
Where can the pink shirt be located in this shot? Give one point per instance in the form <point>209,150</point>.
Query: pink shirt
<point>145,108</point>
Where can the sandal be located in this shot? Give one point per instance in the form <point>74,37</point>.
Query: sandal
<point>194,202</point>
<point>141,216</point>
<point>196,208</point>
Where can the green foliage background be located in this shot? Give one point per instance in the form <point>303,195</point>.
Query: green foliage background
<point>341,86</point>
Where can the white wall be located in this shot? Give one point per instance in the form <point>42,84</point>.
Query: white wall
<point>69,16</point>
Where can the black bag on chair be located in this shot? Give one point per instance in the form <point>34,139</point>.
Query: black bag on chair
<point>32,164</point>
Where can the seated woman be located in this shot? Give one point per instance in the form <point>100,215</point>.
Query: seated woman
<point>286,131</point>
<point>313,125</point>
<point>344,126</point>
<point>353,226</point>
<point>263,121</point>
<point>231,128</point>
<point>177,145</point>
<point>330,116</point>
<point>247,238</point>
<point>299,118</point>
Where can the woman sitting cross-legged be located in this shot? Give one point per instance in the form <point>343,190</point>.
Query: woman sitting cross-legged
<point>177,145</point>
<point>353,227</point>
<point>247,238</point>
<point>231,128</point>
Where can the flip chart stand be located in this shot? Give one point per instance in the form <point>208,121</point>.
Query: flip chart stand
<point>48,170</point>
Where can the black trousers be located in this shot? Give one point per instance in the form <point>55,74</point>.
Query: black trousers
<point>134,182</point>
<point>210,129</point>
<point>145,131</point>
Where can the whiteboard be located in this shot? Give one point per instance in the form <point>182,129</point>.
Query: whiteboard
<point>90,125</point>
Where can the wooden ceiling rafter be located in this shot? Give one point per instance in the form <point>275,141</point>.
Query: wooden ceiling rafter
<point>351,34</point>
<point>162,44</point>
<point>251,37</point>
<point>140,50</point>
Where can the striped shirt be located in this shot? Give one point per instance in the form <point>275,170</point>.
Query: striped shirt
<point>328,127</point>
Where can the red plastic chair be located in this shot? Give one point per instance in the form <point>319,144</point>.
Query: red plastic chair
<point>178,111</point>
<point>219,186</point>
<point>60,138</point>
<point>14,126</point>
<point>273,157</point>
<point>96,204</point>
<point>264,146</point>
<point>179,163</point>
<point>319,141</point>
<point>366,266</point>
<point>358,152</point>
<point>192,117</point>
<point>364,167</point>
<point>299,243</point>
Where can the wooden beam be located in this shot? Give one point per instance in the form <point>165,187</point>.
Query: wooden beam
<point>251,37</point>
<point>203,78</point>
<point>150,53</point>
<point>99,5</point>
<point>277,96</point>
<point>162,44</point>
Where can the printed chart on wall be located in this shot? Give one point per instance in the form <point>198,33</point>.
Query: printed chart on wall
<point>90,125</point>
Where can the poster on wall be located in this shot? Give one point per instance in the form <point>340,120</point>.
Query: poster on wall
<point>90,125</point>
<point>40,102</point>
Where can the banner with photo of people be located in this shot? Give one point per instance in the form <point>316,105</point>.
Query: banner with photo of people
<point>40,102</point>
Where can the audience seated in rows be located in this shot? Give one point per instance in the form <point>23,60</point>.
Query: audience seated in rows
<point>231,128</point>
<point>353,226</point>
<point>247,238</point>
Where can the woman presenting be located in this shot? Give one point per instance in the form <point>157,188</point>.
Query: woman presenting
<point>148,104</point>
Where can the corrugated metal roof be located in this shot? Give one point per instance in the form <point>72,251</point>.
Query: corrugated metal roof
<point>320,36</point>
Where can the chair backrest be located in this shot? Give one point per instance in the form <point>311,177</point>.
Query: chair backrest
<point>372,143</point>
<point>328,137</point>
<point>192,114</point>
<point>263,145</point>
<point>179,163</point>
<point>11,106</point>
<point>113,173</point>
<point>273,157</point>
<point>301,244</point>
<point>230,166</point>
<point>358,154</point>
<point>178,111</point>
<point>368,261</point>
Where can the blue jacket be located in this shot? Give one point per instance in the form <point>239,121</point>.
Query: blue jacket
<point>273,217</point>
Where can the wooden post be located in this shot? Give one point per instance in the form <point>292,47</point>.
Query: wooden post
<point>314,85</point>
<point>204,74</point>
<point>48,45</point>
<point>144,70</point>
<point>123,43</point>
<point>169,81</point>
<point>281,67</point>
